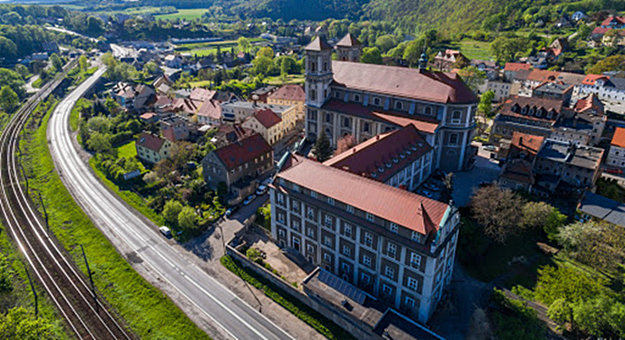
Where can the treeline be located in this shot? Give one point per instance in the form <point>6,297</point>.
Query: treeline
<point>18,41</point>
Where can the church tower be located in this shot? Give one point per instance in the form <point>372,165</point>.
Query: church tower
<point>318,72</point>
<point>349,48</point>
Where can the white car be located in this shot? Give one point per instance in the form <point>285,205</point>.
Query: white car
<point>165,231</point>
<point>262,189</point>
<point>249,199</point>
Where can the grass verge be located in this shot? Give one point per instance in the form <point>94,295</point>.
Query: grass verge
<point>148,311</point>
<point>74,117</point>
<point>317,321</point>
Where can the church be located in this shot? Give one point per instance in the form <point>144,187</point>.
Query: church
<point>345,96</point>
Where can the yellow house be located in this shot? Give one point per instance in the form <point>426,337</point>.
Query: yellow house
<point>290,95</point>
<point>152,148</point>
<point>271,125</point>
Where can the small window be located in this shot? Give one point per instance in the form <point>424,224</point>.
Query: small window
<point>416,236</point>
<point>357,97</point>
<point>347,251</point>
<point>281,218</point>
<point>327,258</point>
<point>415,260</point>
<point>295,187</point>
<point>313,194</point>
<point>386,290</point>
<point>376,101</point>
<point>281,198</point>
<point>370,217</point>
<point>389,272</point>
<point>330,200</point>
<point>455,117</point>
<point>310,213</point>
<point>328,220</point>
<point>350,209</point>
<point>394,227</point>
<point>399,105</point>
<point>310,232</point>
<point>413,284</point>
<point>453,139</point>
<point>366,260</point>
<point>391,250</point>
<point>348,230</point>
<point>428,110</point>
<point>368,239</point>
<point>327,241</point>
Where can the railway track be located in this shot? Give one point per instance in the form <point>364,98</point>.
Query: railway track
<point>86,314</point>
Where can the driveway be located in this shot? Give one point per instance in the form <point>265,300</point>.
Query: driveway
<point>484,170</point>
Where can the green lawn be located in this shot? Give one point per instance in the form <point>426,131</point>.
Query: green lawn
<point>148,311</point>
<point>474,49</point>
<point>129,150</point>
<point>290,79</point>
<point>186,14</point>
<point>74,117</point>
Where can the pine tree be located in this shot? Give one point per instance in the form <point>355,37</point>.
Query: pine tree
<point>323,148</point>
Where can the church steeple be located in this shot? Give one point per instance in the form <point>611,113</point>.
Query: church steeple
<point>349,48</point>
<point>423,62</point>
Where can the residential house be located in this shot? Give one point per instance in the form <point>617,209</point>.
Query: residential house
<point>133,97</point>
<point>238,165</point>
<point>534,116</point>
<point>520,155</point>
<point>173,61</point>
<point>261,94</point>
<point>561,163</point>
<point>400,158</point>
<point>268,124</point>
<point>149,117</point>
<point>230,133</point>
<point>290,95</point>
<point>501,89</point>
<point>152,148</point>
<point>487,66</point>
<point>175,128</point>
<point>577,16</point>
<point>606,88</point>
<point>239,111</point>
<point>611,23</point>
<point>585,126</point>
<point>393,244</point>
<point>449,59</point>
<point>50,47</point>
<point>614,38</point>
<point>616,155</point>
<point>365,100</point>
<point>511,69</point>
<point>554,90</point>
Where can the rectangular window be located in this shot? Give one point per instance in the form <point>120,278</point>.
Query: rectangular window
<point>350,209</point>
<point>347,251</point>
<point>328,221</point>
<point>281,218</point>
<point>310,249</point>
<point>310,213</point>
<point>386,290</point>
<point>392,250</point>
<point>295,187</point>
<point>370,217</point>
<point>455,117</point>
<point>296,225</point>
<point>295,206</point>
<point>313,194</point>
<point>327,258</point>
<point>331,200</point>
<point>348,230</point>
<point>394,228</point>
<point>368,239</point>
<point>327,241</point>
<point>281,233</point>
<point>366,260</point>
<point>389,272</point>
<point>416,236</point>
<point>453,139</point>
<point>413,284</point>
<point>310,232</point>
<point>365,279</point>
<point>281,198</point>
<point>409,302</point>
<point>415,260</point>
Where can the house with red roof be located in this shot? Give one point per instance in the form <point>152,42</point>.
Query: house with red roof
<point>381,239</point>
<point>616,155</point>
<point>152,148</point>
<point>607,89</point>
<point>290,95</point>
<point>445,60</point>
<point>400,158</point>
<point>268,124</point>
<point>238,165</point>
<point>342,97</point>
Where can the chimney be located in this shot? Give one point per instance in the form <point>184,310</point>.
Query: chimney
<point>521,141</point>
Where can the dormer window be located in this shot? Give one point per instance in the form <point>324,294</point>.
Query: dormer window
<point>524,111</point>
<point>381,169</point>
<point>389,165</point>
<point>395,160</point>
<point>399,105</point>
<point>408,152</point>
<point>414,148</point>
<point>357,97</point>
<point>374,175</point>
<point>532,111</point>
<point>427,110</point>
<point>402,155</point>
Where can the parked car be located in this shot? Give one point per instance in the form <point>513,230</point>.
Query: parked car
<point>431,187</point>
<point>249,199</point>
<point>614,171</point>
<point>165,231</point>
<point>262,189</point>
<point>489,147</point>
<point>232,210</point>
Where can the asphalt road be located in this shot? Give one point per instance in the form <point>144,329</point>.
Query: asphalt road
<point>236,318</point>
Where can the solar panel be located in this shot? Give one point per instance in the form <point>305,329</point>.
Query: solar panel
<point>342,287</point>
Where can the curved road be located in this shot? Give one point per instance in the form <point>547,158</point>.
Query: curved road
<point>236,318</point>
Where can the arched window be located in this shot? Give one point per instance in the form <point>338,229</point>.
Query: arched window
<point>357,97</point>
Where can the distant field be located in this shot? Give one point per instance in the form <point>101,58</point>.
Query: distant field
<point>290,79</point>
<point>202,83</point>
<point>186,14</point>
<point>474,49</point>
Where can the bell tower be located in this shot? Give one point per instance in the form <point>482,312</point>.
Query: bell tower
<point>318,72</point>
<point>349,48</point>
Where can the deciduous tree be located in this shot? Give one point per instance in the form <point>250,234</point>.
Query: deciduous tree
<point>171,211</point>
<point>8,98</point>
<point>498,211</point>
<point>345,143</point>
<point>187,219</point>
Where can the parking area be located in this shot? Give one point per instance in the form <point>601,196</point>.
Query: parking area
<point>465,182</point>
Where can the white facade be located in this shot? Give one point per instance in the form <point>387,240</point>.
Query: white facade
<point>616,157</point>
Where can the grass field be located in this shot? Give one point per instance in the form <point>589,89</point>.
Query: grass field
<point>474,49</point>
<point>209,48</point>
<point>74,117</point>
<point>186,14</point>
<point>148,312</point>
<point>290,79</point>
<point>129,150</point>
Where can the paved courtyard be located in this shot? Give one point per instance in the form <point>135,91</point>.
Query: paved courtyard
<point>485,170</point>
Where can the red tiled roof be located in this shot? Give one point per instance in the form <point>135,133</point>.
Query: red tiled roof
<point>289,92</point>
<point>163,100</point>
<point>543,75</point>
<point>592,78</point>
<point>619,20</point>
<point>150,141</point>
<point>403,82</point>
<point>186,105</point>
<point>424,124</point>
<point>348,41</point>
<point>601,30</point>
<point>590,102</point>
<point>526,142</point>
<point>211,109</point>
<point>402,207</point>
<point>513,67</point>
<point>243,151</point>
<point>544,103</point>
<point>318,45</point>
<point>200,94</point>
<point>147,115</point>
<point>267,118</point>
<point>365,158</point>
<point>619,138</point>
<point>518,170</point>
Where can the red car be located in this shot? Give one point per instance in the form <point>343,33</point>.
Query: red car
<point>614,171</point>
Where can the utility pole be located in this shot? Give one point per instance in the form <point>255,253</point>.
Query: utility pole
<point>45,212</point>
<point>32,286</point>
<point>95,297</point>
